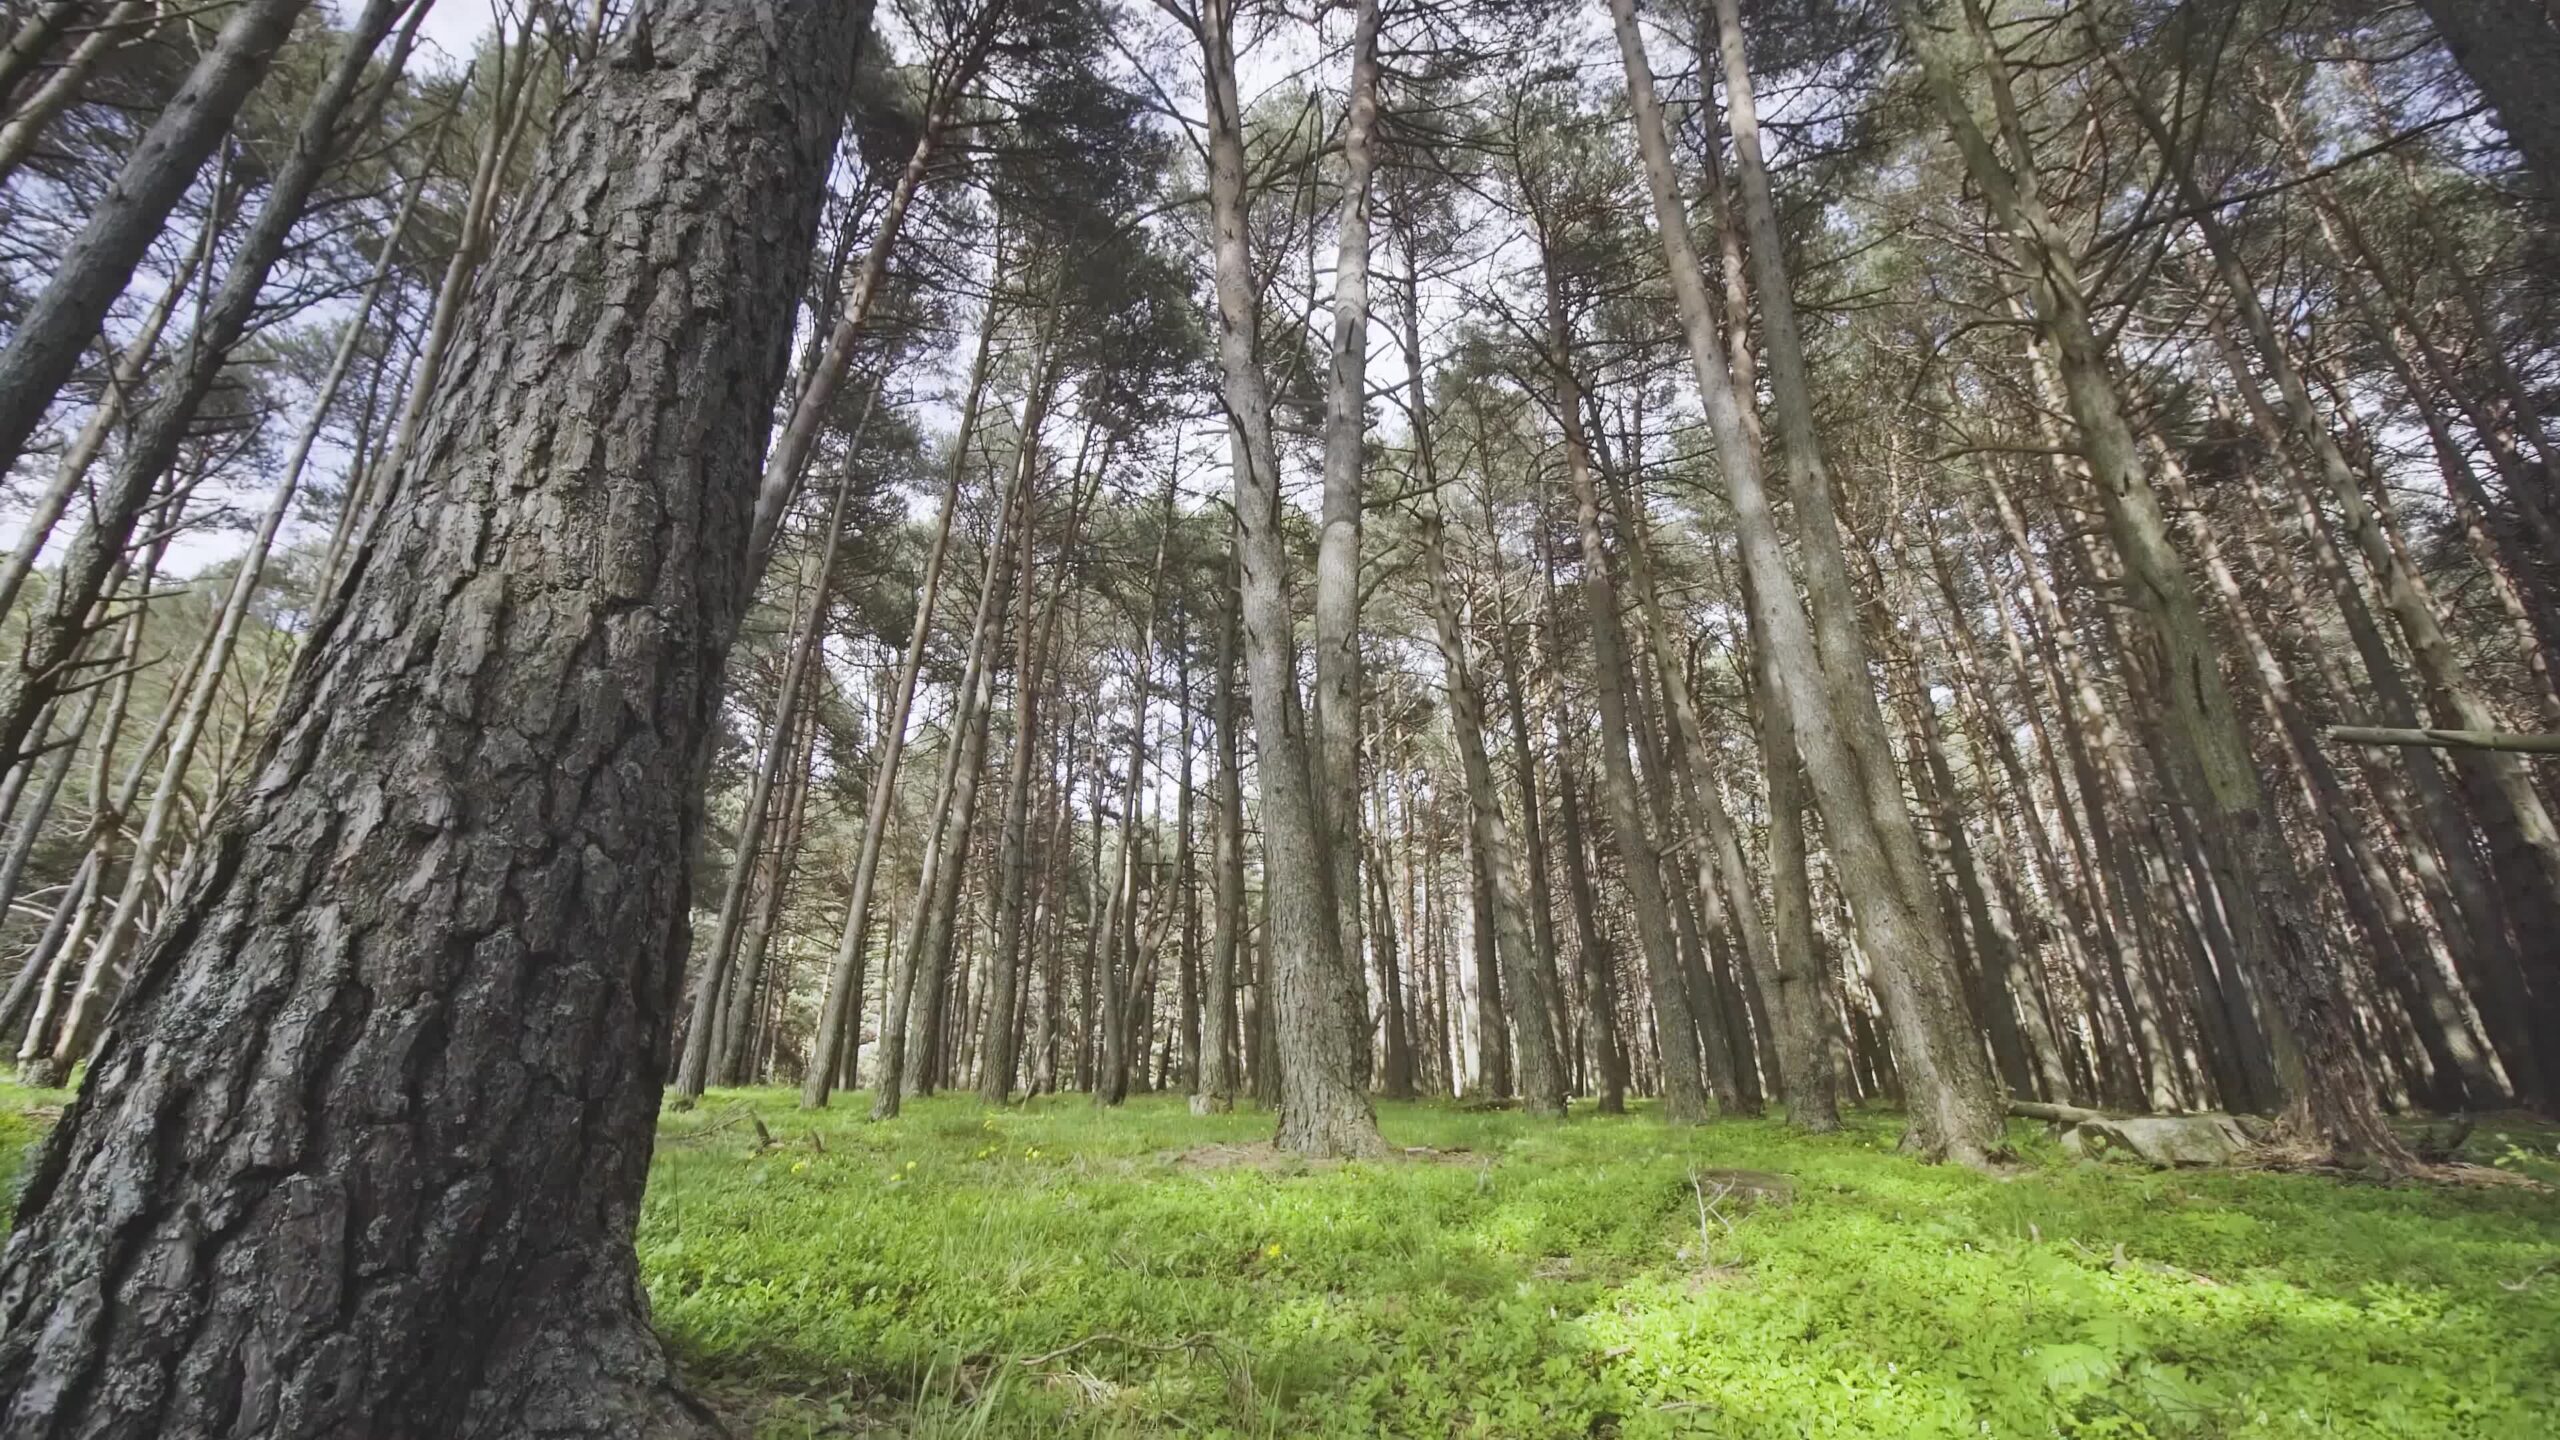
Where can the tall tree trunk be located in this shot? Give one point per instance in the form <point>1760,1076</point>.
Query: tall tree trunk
<point>1684,1085</point>
<point>1832,603</point>
<point>840,1012</point>
<point>1337,591</point>
<point>1013,867</point>
<point>1955,1111</point>
<point>1218,1049</point>
<point>904,1024</point>
<point>2328,1092</point>
<point>1323,1107</point>
<point>393,977</point>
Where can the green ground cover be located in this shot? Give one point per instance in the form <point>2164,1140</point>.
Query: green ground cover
<point>1054,1271</point>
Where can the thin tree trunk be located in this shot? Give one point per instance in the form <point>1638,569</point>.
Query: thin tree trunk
<point>1217,1086</point>
<point>2329,1094</point>
<point>45,346</point>
<point>946,834</point>
<point>72,467</point>
<point>1013,878</point>
<point>840,1011</point>
<point>701,1032</point>
<point>1540,1070</point>
<point>1337,590</point>
<point>1955,1112</point>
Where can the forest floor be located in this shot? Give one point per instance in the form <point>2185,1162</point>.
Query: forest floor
<point>1054,1271</point>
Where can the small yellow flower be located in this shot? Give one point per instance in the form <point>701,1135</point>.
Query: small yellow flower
<point>911,1164</point>
<point>799,1165</point>
<point>1271,1251</point>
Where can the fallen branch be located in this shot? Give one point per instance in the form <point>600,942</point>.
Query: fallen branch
<point>2058,1114</point>
<point>2446,739</point>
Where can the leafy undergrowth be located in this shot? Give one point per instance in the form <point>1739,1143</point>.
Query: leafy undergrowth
<point>1053,1271</point>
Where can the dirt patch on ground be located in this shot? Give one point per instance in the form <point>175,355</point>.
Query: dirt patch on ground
<point>1744,1188</point>
<point>1269,1159</point>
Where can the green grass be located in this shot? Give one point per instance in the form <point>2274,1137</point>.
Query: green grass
<point>1544,1281</point>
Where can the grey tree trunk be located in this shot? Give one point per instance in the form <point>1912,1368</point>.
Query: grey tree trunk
<point>1596,981</point>
<point>88,277</point>
<point>2328,1092</point>
<point>1337,598</point>
<point>510,115</point>
<point>394,1061</point>
<point>1218,1049</point>
<point>1539,1069</point>
<point>1808,1079</point>
<point>1955,1111</point>
<point>1323,1108</point>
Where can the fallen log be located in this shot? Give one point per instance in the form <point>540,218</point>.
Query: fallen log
<point>2168,1141</point>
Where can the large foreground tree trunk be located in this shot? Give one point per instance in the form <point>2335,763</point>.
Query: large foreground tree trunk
<point>364,1150</point>
<point>2511,50</point>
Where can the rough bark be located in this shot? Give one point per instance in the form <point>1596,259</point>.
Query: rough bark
<point>364,1150</point>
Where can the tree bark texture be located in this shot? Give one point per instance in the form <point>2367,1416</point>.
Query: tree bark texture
<point>363,1153</point>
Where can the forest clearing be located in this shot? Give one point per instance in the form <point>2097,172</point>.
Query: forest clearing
<point>1424,718</point>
